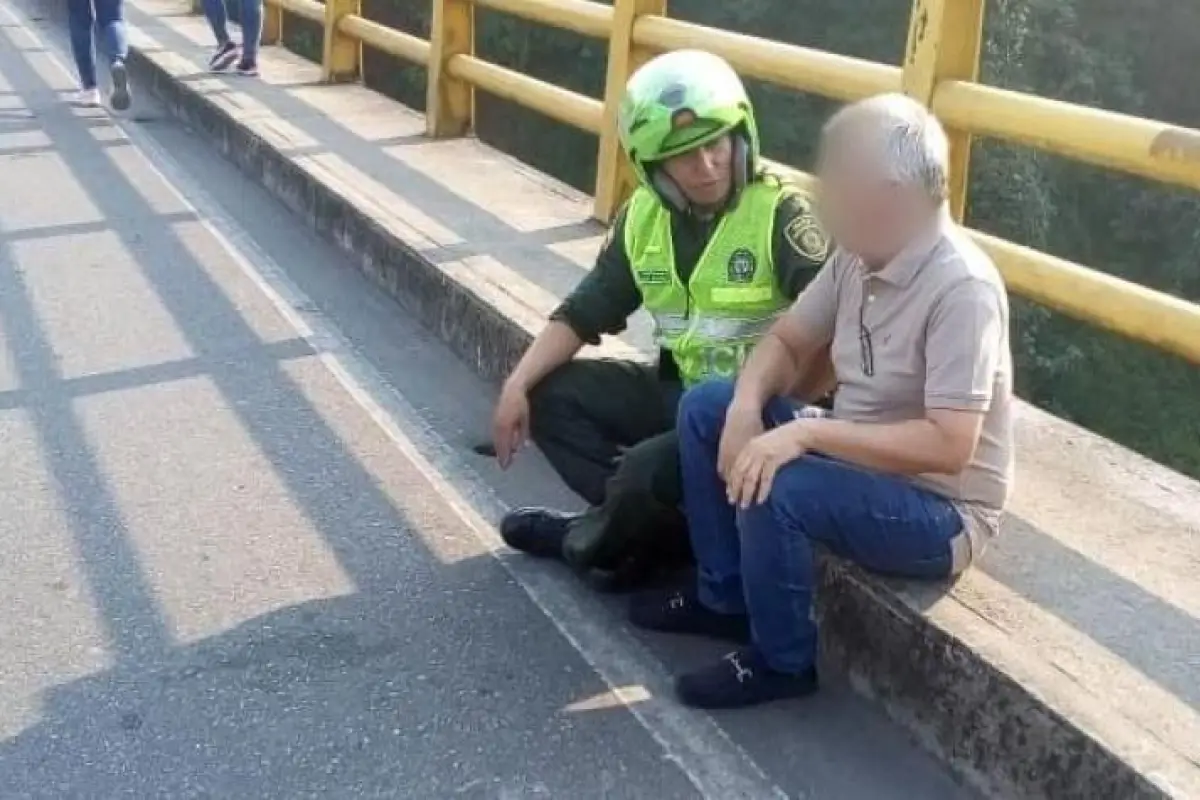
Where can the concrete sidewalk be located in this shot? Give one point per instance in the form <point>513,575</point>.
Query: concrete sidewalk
<point>1067,665</point>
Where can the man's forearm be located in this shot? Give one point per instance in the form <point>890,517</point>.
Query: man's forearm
<point>912,447</point>
<point>554,346</point>
<point>815,379</point>
<point>769,371</point>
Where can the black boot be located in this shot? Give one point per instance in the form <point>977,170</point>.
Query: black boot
<point>537,531</point>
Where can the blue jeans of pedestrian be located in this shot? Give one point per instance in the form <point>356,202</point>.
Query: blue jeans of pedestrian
<point>760,561</point>
<point>92,20</point>
<point>251,22</point>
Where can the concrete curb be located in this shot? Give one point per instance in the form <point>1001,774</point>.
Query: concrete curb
<point>997,734</point>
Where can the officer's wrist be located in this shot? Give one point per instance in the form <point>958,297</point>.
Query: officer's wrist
<point>516,384</point>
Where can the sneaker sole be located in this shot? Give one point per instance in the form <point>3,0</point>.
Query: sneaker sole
<point>120,96</point>
<point>224,62</point>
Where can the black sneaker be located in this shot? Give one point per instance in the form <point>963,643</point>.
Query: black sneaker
<point>120,99</point>
<point>247,69</point>
<point>223,57</point>
<point>537,531</point>
<point>682,612</point>
<point>740,679</point>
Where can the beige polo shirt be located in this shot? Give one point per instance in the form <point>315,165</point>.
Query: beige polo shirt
<point>929,330</point>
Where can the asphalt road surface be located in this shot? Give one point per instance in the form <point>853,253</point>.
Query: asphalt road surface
<point>246,549</point>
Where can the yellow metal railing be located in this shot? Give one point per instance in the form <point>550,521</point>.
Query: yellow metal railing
<point>940,69</point>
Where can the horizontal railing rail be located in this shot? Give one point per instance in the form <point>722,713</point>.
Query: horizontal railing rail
<point>940,69</point>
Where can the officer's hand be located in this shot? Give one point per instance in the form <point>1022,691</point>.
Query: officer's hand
<point>510,425</point>
<point>754,470</point>
<point>741,425</point>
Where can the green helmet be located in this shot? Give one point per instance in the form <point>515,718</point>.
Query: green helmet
<point>679,101</point>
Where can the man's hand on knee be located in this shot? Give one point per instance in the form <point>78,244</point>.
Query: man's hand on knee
<point>754,471</point>
<point>743,424</point>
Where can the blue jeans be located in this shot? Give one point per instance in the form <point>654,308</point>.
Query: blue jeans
<point>760,561</point>
<point>89,20</point>
<point>252,24</point>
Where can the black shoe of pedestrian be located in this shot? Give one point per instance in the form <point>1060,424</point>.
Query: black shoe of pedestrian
<point>741,679</point>
<point>682,612</point>
<point>223,57</point>
<point>120,99</point>
<point>537,531</point>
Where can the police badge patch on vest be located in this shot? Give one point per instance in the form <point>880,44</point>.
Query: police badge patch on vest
<point>805,236</point>
<point>742,266</point>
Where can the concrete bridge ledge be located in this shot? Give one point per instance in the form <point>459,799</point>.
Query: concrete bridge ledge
<point>1065,665</point>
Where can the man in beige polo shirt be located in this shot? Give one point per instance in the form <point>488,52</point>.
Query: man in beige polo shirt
<point>910,473</point>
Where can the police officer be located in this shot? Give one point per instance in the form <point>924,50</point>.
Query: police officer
<point>714,247</point>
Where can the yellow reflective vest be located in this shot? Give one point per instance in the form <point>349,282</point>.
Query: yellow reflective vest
<point>711,323</point>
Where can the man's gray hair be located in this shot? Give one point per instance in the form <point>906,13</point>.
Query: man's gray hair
<point>902,138</point>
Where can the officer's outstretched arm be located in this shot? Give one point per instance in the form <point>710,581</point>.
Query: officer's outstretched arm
<point>601,303</point>
<point>554,346</point>
<point>551,348</point>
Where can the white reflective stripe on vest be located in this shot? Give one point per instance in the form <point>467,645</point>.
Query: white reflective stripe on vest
<point>714,329</point>
<point>666,325</point>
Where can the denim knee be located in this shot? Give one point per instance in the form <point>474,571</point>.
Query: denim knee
<point>702,409</point>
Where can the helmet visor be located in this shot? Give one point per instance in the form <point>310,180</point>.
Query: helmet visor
<point>691,136</point>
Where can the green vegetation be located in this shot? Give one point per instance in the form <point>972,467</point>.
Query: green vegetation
<point>1136,58</point>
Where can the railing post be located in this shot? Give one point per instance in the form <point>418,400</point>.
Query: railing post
<point>614,178</point>
<point>272,30</point>
<point>341,56</point>
<point>449,103</point>
<point>944,43</point>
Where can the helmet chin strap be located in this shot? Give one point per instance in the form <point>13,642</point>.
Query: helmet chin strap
<point>670,193</point>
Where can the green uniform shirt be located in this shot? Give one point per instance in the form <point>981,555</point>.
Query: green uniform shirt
<point>607,296</point>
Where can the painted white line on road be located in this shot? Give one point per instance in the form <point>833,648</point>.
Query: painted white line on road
<point>716,766</point>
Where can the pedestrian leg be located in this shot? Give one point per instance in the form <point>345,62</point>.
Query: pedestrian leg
<point>226,52</point>
<point>114,43</point>
<point>252,24</point>
<point>81,23</point>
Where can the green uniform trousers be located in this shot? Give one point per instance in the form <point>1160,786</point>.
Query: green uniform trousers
<point>608,428</point>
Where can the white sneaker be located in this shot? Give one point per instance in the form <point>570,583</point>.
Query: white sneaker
<point>88,97</point>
